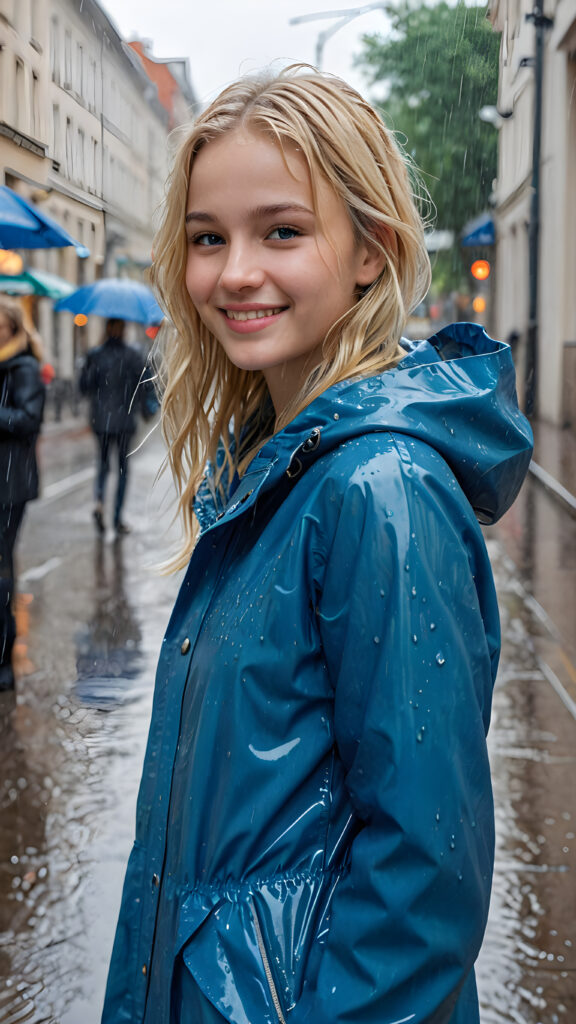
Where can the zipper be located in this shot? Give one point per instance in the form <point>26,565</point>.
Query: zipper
<point>266,965</point>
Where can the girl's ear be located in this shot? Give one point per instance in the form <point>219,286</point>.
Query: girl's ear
<point>374,253</point>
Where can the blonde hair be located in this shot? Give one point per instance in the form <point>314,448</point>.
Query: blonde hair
<point>13,313</point>
<point>343,141</point>
<point>15,317</point>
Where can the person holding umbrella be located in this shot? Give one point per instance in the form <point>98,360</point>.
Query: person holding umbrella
<point>110,376</point>
<point>21,410</point>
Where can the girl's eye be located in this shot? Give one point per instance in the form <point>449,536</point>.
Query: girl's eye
<point>207,238</point>
<point>283,234</point>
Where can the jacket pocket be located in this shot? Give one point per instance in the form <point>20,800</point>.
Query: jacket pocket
<point>223,958</point>
<point>266,965</point>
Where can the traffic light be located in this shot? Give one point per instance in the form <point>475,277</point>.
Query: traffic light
<point>480,269</point>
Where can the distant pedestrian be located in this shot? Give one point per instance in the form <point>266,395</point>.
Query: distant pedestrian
<point>111,376</point>
<point>21,409</point>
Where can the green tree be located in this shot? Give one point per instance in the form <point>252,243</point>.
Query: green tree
<point>435,70</point>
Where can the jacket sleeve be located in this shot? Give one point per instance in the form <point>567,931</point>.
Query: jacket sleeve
<point>87,382</point>
<point>24,417</point>
<point>409,627</point>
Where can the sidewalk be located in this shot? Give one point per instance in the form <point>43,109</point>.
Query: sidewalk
<point>68,424</point>
<point>554,461</point>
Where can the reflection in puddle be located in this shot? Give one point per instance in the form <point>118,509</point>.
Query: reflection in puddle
<point>108,647</point>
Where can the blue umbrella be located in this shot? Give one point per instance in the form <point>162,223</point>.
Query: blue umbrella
<point>23,226</point>
<point>117,297</point>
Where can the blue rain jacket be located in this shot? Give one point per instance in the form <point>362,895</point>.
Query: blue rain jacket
<point>315,824</point>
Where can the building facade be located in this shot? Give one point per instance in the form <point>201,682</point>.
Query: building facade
<point>83,134</point>
<point>555,382</point>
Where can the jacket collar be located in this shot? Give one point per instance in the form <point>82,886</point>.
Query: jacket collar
<point>456,392</point>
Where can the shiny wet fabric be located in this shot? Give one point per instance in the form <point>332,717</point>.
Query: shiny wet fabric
<point>315,826</point>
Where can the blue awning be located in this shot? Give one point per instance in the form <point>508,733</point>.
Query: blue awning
<point>479,231</point>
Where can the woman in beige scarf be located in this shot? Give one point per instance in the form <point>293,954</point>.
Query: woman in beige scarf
<point>21,409</point>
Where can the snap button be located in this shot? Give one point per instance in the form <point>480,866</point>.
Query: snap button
<point>185,646</point>
<point>311,443</point>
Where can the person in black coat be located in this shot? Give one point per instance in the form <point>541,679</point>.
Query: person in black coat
<point>111,376</point>
<point>21,409</point>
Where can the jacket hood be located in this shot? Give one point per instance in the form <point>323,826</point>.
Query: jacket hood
<point>456,392</point>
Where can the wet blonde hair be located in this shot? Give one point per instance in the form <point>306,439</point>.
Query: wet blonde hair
<point>15,317</point>
<point>207,400</point>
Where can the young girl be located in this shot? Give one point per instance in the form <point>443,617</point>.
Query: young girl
<point>314,826</point>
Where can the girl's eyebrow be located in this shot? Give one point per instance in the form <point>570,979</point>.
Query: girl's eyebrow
<point>261,211</point>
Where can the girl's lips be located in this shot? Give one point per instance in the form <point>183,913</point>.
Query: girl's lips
<point>251,323</point>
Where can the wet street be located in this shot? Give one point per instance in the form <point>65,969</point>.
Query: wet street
<point>92,613</point>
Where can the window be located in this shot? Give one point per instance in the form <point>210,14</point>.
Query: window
<point>56,140</point>
<point>95,167</point>
<point>69,155</point>
<point>80,70</point>
<point>34,19</point>
<point>81,162</point>
<point>55,50</point>
<point>67,60</point>
<point>36,129</point>
<point>20,98</point>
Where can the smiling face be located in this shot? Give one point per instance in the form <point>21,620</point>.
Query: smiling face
<point>267,273</point>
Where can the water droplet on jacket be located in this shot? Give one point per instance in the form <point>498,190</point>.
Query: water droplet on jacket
<point>420,734</point>
<point>432,626</point>
<point>437,815</point>
<point>381,593</point>
<point>376,639</point>
<point>389,513</point>
<point>452,843</point>
<point>460,876</point>
<point>413,592</point>
<point>440,659</point>
<point>414,638</point>
<point>407,567</point>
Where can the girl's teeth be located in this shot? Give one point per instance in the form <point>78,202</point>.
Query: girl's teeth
<point>251,314</point>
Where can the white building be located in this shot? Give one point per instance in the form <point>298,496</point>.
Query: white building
<point>83,134</point>
<point>556,353</point>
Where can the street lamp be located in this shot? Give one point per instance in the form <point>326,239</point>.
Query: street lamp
<point>345,17</point>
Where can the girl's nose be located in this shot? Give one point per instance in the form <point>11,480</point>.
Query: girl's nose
<point>242,269</point>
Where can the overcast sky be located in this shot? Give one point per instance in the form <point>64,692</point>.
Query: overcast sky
<point>225,38</point>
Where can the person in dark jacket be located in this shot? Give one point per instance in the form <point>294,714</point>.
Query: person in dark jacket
<point>314,828</point>
<point>111,375</point>
<point>21,409</point>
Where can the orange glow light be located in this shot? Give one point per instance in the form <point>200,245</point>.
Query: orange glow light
<point>479,304</point>
<point>151,332</point>
<point>80,320</point>
<point>10,262</point>
<point>480,269</point>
